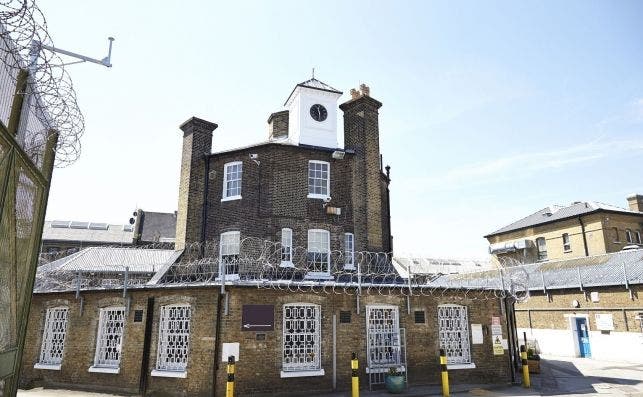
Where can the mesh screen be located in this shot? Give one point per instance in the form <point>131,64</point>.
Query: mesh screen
<point>7,268</point>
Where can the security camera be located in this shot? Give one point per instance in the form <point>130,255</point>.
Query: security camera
<point>327,200</point>
<point>254,156</point>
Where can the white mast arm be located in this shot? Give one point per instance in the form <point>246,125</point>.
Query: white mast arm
<point>105,61</point>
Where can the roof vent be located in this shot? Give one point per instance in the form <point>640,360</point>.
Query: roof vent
<point>60,224</point>
<point>98,226</point>
<point>79,225</point>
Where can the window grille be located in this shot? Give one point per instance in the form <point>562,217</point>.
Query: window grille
<point>638,237</point>
<point>566,245</point>
<point>174,336</point>
<point>542,248</point>
<point>53,336</point>
<point>383,333</point>
<point>453,324</point>
<point>318,251</point>
<point>229,252</point>
<point>232,180</point>
<point>110,336</point>
<point>301,337</point>
<point>349,251</point>
<point>286,246</point>
<point>628,235</point>
<point>318,179</point>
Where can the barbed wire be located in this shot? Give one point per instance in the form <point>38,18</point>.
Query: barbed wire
<point>52,105</point>
<point>269,265</point>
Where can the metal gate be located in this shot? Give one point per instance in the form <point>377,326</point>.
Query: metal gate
<point>386,343</point>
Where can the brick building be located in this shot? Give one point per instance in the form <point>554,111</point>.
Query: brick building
<point>283,260</point>
<point>565,232</point>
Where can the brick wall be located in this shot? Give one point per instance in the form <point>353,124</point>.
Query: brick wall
<point>259,366</point>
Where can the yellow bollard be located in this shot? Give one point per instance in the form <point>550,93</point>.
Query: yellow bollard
<point>355,376</point>
<point>229,387</point>
<point>445,373</point>
<point>525,368</point>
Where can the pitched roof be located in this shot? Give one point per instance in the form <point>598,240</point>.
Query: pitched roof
<point>434,266</point>
<point>316,85</point>
<point>157,226</point>
<point>555,213</point>
<point>88,232</point>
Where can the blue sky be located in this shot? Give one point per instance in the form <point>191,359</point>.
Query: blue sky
<point>492,110</point>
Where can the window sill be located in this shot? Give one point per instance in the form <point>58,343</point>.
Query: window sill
<point>169,374</point>
<point>319,196</point>
<point>286,265</point>
<point>349,267</point>
<point>231,198</point>
<point>104,370</point>
<point>301,374</point>
<point>53,367</point>
<point>229,277</point>
<point>318,276</point>
<point>385,369</point>
<point>461,366</point>
<point>567,251</point>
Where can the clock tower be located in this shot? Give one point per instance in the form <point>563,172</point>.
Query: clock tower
<point>312,114</point>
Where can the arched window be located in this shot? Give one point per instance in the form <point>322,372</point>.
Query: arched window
<point>628,236</point>
<point>638,237</point>
<point>542,248</point>
<point>566,244</point>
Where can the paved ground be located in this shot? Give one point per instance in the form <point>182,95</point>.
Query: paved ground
<point>559,377</point>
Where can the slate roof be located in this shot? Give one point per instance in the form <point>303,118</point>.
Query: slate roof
<point>110,259</point>
<point>114,234</point>
<point>314,84</point>
<point>433,266</point>
<point>157,226</point>
<point>557,212</point>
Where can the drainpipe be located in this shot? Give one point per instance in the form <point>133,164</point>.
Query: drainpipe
<point>217,345</point>
<point>388,207</point>
<point>582,228</point>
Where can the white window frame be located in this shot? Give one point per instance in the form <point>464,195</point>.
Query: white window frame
<point>286,247</point>
<point>54,334</point>
<point>173,330</point>
<point>298,319</point>
<point>349,251</point>
<point>227,248</point>
<point>454,335</point>
<point>542,253</point>
<point>225,195</point>
<point>324,272</point>
<point>109,337</point>
<point>567,245</point>
<point>319,195</point>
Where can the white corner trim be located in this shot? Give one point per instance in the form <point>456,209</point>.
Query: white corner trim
<point>104,370</point>
<point>169,374</point>
<point>301,374</point>
<point>54,367</point>
<point>231,198</point>
<point>461,366</point>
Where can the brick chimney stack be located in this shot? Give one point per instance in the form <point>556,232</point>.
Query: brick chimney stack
<point>197,143</point>
<point>361,134</point>
<point>635,201</point>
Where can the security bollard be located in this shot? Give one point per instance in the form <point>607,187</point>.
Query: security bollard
<point>229,387</point>
<point>525,368</point>
<point>445,373</point>
<point>355,376</point>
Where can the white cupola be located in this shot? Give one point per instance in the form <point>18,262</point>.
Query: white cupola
<point>312,114</point>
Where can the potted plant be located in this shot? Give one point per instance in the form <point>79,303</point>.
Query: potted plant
<point>395,382</point>
<point>533,361</point>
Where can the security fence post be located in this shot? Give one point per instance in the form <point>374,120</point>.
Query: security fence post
<point>229,389</point>
<point>525,368</point>
<point>445,373</point>
<point>355,376</point>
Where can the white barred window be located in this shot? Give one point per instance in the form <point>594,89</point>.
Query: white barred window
<point>286,247</point>
<point>174,336</point>
<point>349,251</point>
<point>453,325</point>
<point>110,337</point>
<point>232,180</point>
<point>53,338</point>
<point>301,340</point>
<point>318,252</point>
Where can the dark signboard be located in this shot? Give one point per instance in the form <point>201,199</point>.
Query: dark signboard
<point>258,318</point>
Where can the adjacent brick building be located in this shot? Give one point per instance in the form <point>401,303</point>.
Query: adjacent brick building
<point>283,260</point>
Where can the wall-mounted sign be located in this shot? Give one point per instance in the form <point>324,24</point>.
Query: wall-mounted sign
<point>496,328</point>
<point>498,350</point>
<point>257,318</point>
<point>476,334</point>
<point>229,349</point>
<point>604,322</point>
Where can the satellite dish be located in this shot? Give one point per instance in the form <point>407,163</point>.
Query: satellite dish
<point>134,213</point>
<point>131,221</point>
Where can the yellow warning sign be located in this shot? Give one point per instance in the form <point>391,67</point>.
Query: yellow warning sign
<point>498,350</point>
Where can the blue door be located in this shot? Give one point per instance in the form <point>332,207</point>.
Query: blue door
<point>583,337</point>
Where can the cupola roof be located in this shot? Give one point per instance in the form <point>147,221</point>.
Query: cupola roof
<point>316,85</point>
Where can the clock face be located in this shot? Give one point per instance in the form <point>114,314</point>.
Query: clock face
<point>318,112</point>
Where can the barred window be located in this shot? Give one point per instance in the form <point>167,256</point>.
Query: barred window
<point>229,252</point>
<point>174,336</point>
<point>453,325</point>
<point>286,247</point>
<point>628,236</point>
<point>542,248</point>
<point>110,337</point>
<point>566,244</point>
<point>383,336</point>
<point>53,337</point>
<point>349,251</point>
<point>318,252</point>
<point>301,337</point>
<point>318,179</point>
<point>638,237</point>
<point>232,180</point>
